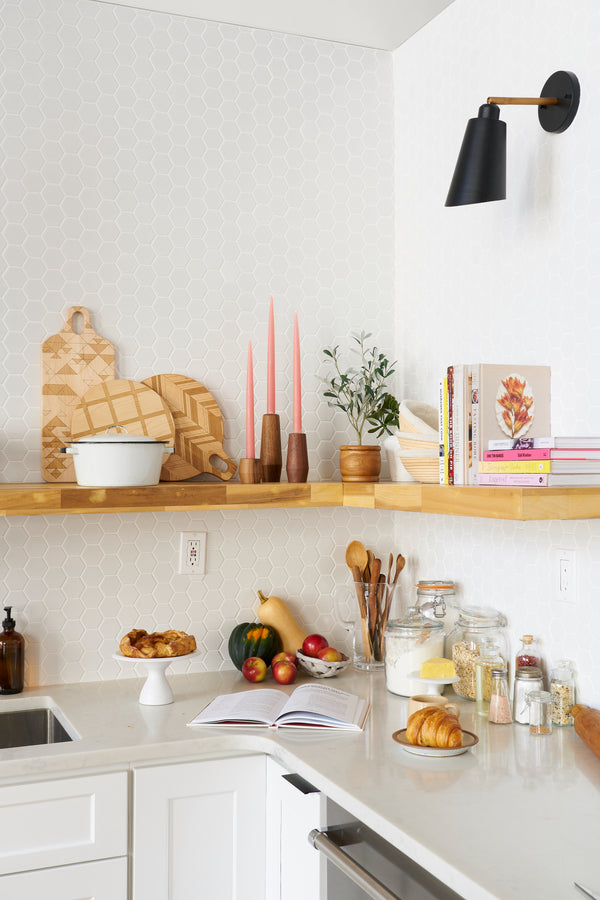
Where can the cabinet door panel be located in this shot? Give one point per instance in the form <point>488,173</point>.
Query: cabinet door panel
<point>295,870</point>
<point>199,830</point>
<point>69,820</point>
<point>106,880</point>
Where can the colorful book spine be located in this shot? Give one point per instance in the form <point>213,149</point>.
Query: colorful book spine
<point>441,430</point>
<point>450,425</point>
<point>539,443</point>
<point>491,455</point>
<point>515,465</point>
<point>507,479</point>
<point>475,426</point>
<point>446,445</point>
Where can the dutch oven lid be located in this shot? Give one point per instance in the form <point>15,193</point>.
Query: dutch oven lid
<point>114,436</point>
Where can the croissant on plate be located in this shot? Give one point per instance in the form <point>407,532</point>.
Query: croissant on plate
<point>434,727</point>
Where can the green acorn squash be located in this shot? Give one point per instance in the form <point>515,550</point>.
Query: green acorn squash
<point>253,639</point>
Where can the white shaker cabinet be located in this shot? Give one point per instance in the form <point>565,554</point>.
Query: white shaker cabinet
<point>295,870</point>
<point>106,880</point>
<point>199,829</point>
<point>64,839</point>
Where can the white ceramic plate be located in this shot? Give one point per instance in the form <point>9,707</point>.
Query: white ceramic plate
<point>469,740</point>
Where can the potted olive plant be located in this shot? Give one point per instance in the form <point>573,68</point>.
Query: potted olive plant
<point>360,392</point>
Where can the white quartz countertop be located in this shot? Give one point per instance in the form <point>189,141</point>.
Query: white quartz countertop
<point>517,816</point>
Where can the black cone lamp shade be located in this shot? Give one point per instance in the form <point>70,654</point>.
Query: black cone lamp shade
<point>480,173</point>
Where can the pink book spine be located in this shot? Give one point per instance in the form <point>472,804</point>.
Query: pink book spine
<point>506,479</point>
<point>516,454</point>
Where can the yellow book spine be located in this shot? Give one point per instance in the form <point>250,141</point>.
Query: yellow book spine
<point>515,465</point>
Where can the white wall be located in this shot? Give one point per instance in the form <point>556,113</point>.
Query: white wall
<point>511,281</point>
<point>171,174</point>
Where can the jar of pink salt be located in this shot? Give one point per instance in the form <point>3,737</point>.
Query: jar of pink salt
<point>499,712</point>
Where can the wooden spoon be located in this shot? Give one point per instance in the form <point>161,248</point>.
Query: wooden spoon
<point>400,563</point>
<point>372,602</point>
<point>367,574</point>
<point>356,555</point>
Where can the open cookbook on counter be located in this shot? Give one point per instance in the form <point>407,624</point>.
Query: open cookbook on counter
<point>309,706</point>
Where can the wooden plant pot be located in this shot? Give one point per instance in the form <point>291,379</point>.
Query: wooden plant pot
<point>361,462</point>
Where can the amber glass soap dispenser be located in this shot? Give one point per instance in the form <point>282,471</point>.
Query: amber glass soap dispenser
<point>12,656</point>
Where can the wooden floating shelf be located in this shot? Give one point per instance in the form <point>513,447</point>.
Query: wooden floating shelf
<point>523,504</point>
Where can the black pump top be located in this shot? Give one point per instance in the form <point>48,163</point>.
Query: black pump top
<point>9,622</point>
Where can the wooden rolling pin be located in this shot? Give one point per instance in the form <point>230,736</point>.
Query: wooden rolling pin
<point>587,726</point>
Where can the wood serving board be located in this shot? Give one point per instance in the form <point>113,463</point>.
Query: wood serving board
<point>72,363</point>
<point>198,428</point>
<point>130,404</point>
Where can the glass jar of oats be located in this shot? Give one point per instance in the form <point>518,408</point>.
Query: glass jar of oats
<point>562,688</point>
<point>476,627</point>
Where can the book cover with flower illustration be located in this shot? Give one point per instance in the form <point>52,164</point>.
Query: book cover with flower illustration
<point>513,402</point>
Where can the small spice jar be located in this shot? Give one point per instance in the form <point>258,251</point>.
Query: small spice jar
<point>540,712</point>
<point>528,654</point>
<point>499,700</point>
<point>527,679</point>
<point>489,659</point>
<point>562,689</point>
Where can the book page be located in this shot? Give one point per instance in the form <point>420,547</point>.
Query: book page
<point>260,706</point>
<point>311,702</point>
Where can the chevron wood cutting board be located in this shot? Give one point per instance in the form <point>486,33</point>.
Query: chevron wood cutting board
<point>72,363</point>
<point>198,429</point>
<point>130,404</point>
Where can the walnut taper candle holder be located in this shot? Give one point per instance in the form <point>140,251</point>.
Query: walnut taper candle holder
<point>296,464</point>
<point>270,448</point>
<point>250,471</point>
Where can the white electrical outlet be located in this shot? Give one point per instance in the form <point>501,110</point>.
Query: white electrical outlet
<point>192,553</point>
<point>566,575</point>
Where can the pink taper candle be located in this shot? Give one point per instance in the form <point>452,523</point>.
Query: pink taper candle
<point>271,363</point>
<point>297,406</point>
<point>249,406</point>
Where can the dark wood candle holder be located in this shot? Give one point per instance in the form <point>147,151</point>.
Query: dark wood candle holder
<point>296,464</point>
<point>270,448</point>
<point>250,471</point>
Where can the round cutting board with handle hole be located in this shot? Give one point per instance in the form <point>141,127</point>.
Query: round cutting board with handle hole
<point>198,429</point>
<point>130,404</point>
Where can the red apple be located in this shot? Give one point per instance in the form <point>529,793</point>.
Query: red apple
<point>284,671</point>
<point>313,643</point>
<point>330,654</point>
<point>254,668</point>
<point>285,657</point>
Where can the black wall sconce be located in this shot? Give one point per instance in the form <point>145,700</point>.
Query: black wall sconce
<point>480,173</point>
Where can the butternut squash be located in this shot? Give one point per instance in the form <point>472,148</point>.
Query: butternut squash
<point>275,613</point>
<point>587,726</point>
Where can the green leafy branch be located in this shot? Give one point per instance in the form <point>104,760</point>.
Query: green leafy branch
<point>360,391</point>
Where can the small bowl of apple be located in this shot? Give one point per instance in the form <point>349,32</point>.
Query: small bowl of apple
<point>320,660</point>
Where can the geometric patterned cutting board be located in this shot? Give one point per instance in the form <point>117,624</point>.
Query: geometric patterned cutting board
<point>129,404</point>
<point>198,429</point>
<point>72,363</point>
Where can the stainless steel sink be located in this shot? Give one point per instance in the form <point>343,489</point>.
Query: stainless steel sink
<point>30,727</point>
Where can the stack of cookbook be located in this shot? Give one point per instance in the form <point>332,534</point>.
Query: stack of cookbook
<point>486,402</point>
<point>541,462</point>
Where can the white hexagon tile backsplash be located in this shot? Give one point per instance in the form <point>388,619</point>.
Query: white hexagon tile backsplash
<point>171,175</point>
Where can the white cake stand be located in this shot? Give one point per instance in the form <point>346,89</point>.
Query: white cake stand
<point>433,685</point>
<point>156,690</point>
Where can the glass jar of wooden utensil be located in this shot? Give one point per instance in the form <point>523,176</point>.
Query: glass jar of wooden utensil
<point>363,609</point>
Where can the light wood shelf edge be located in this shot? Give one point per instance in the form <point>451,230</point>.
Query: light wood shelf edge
<point>522,504</point>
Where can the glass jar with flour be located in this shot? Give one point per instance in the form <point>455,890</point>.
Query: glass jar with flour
<point>409,642</point>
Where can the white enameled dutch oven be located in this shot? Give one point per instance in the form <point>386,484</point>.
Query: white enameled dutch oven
<point>117,459</point>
